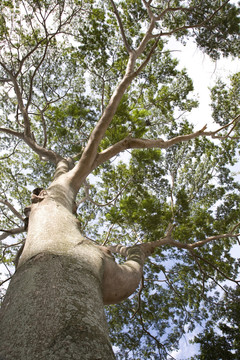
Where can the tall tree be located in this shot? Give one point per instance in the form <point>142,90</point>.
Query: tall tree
<point>82,82</point>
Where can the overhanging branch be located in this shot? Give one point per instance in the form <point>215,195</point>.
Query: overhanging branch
<point>148,248</point>
<point>133,143</point>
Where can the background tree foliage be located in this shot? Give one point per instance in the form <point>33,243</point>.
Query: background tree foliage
<point>61,61</point>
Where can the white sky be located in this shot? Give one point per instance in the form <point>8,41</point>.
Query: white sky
<point>204,72</point>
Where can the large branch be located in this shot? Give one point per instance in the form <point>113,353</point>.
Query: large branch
<point>12,132</point>
<point>84,166</point>
<point>146,249</point>
<point>120,281</point>
<point>90,158</point>
<point>133,143</point>
<point>44,154</point>
<point>149,247</point>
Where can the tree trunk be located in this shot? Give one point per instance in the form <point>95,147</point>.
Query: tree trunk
<point>53,308</point>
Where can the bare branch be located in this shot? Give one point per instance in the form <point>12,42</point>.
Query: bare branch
<point>33,75</point>
<point>148,36</point>
<point>172,9</point>
<point>8,279</point>
<point>211,238</point>
<point>133,143</point>
<point>108,234</point>
<point>160,345</point>
<point>13,151</point>
<point>205,274</point>
<point>235,227</point>
<point>12,132</point>
<point>44,129</point>
<point>88,157</point>
<point>87,197</point>
<point>234,123</point>
<point>3,80</point>
<point>128,48</point>
<point>27,128</point>
<point>48,36</point>
<point>11,76</point>
<point>12,208</point>
<point>15,231</point>
<point>148,248</point>
<point>146,61</point>
<point>43,153</point>
<point>139,298</point>
<point>84,166</point>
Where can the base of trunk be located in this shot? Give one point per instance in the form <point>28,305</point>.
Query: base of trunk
<point>53,310</point>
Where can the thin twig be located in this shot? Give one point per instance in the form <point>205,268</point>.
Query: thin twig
<point>2,282</point>
<point>108,234</point>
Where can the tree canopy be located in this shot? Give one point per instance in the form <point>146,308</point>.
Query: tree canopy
<point>95,82</point>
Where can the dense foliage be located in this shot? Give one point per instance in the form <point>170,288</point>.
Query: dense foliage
<point>60,62</point>
<point>222,341</point>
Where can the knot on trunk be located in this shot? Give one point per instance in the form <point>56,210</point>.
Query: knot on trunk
<point>38,195</point>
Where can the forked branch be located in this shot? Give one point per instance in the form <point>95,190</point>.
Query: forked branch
<point>90,159</point>
<point>149,247</point>
<point>134,143</point>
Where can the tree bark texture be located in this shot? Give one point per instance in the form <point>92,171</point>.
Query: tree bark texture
<point>54,310</point>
